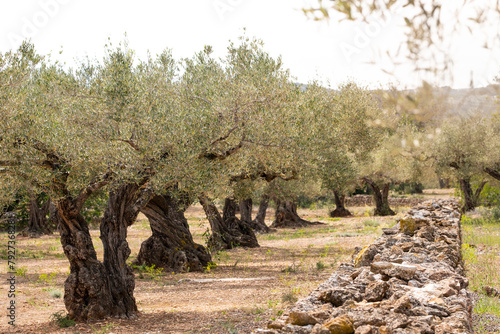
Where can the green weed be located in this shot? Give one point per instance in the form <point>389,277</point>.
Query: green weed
<point>62,321</point>
<point>150,272</point>
<point>44,278</point>
<point>212,265</point>
<point>272,303</point>
<point>21,271</point>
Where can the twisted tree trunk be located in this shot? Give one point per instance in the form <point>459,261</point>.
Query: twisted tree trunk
<point>38,223</point>
<point>96,290</point>
<point>381,198</point>
<point>121,212</point>
<point>471,198</point>
<point>286,216</point>
<point>340,210</point>
<point>258,224</point>
<point>227,231</point>
<point>171,245</point>
<point>86,290</point>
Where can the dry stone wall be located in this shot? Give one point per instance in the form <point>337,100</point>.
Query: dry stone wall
<point>410,280</point>
<point>367,200</point>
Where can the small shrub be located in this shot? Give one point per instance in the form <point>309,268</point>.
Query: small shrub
<point>62,321</point>
<point>490,195</point>
<point>495,214</point>
<point>320,265</point>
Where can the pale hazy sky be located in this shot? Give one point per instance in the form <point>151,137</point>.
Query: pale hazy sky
<point>333,51</point>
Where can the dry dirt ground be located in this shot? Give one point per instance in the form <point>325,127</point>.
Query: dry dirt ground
<point>246,289</point>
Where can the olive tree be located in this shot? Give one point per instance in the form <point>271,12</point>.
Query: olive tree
<point>345,136</point>
<point>461,148</point>
<point>252,131</point>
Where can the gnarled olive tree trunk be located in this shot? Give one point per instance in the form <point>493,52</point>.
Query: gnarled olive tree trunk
<point>121,212</point>
<point>227,231</point>
<point>340,210</point>
<point>471,198</point>
<point>96,290</point>
<point>258,224</point>
<point>381,198</point>
<point>86,290</point>
<point>171,245</point>
<point>286,216</point>
<point>38,223</point>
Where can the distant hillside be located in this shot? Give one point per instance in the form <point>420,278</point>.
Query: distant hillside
<point>463,102</point>
<point>472,100</point>
<point>469,101</point>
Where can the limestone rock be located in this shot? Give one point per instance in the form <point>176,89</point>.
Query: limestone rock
<point>365,256</point>
<point>301,319</point>
<point>320,329</point>
<point>402,304</point>
<point>375,291</point>
<point>402,271</point>
<point>340,325</point>
<point>338,296</point>
<point>364,330</point>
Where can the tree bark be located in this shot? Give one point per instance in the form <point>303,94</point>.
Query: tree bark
<point>286,216</point>
<point>86,290</point>
<point>381,198</point>
<point>121,212</point>
<point>227,231</point>
<point>340,210</point>
<point>246,207</point>
<point>38,223</point>
<point>171,245</point>
<point>258,224</point>
<point>471,198</point>
<point>96,290</point>
<point>493,172</point>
